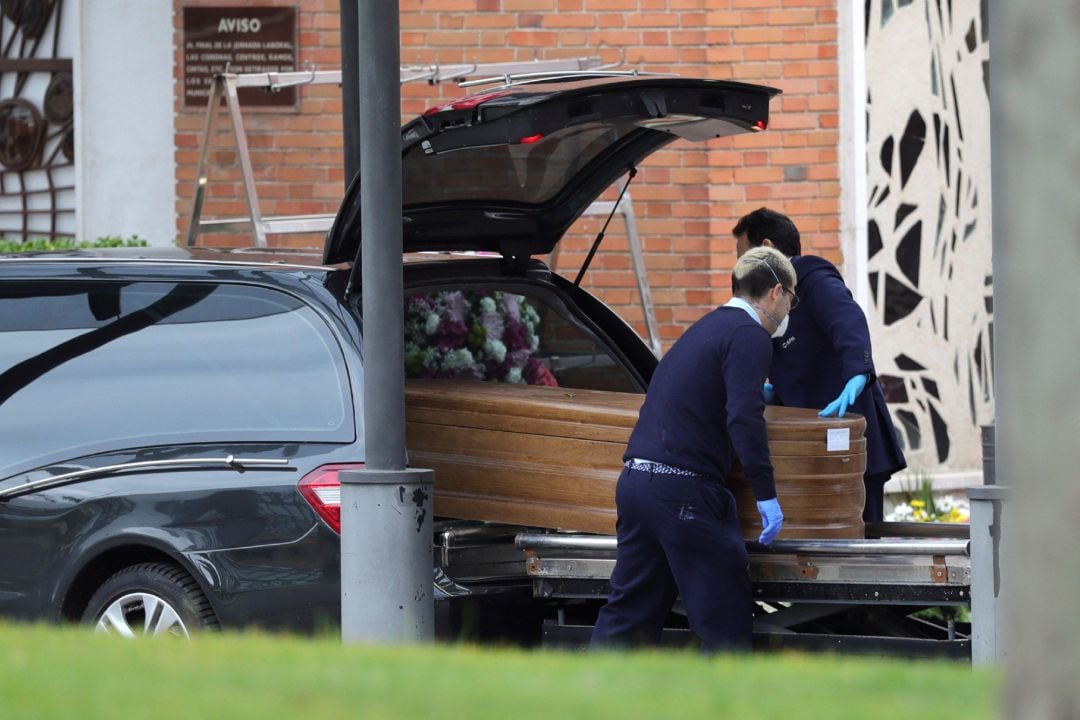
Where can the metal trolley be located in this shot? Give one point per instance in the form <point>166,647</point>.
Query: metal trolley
<point>850,595</point>
<point>844,595</point>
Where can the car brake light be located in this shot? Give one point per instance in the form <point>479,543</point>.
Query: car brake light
<point>466,103</point>
<point>530,139</point>
<point>322,490</point>
<point>760,125</point>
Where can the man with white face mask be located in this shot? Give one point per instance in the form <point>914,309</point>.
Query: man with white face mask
<point>678,528</point>
<point>823,360</point>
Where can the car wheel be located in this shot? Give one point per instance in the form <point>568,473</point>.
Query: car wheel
<point>153,599</point>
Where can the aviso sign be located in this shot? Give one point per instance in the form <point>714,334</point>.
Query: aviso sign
<point>244,39</point>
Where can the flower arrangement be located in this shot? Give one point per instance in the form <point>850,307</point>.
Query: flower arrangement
<point>480,335</point>
<point>920,505</point>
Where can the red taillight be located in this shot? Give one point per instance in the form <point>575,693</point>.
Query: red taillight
<point>466,103</point>
<point>530,139</point>
<point>322,489</point>
<point>760,125</point>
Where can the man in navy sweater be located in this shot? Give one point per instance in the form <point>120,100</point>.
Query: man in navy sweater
<point>678,529</point>
<point>824,360</point>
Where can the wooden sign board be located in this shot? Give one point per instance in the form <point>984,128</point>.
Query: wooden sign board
<point>244,39</point>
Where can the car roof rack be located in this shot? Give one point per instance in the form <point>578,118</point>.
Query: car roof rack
<point>510,80</point>
<point>224,86</point>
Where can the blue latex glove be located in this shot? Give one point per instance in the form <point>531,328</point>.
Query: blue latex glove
<point>772,519</point>
<point>769,393</point>
<point>847,397</point>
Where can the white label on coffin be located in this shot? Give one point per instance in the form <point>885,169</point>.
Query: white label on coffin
<point>838,439</point>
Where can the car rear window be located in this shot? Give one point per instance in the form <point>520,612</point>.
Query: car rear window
<point>484,333</point>
<point>86,367</point>
<point>530,172</point>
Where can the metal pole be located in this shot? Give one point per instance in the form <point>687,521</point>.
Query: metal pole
<point>988,567</point>
<point>350,86</point>
<point>386,552</point>
<point>1035,147</point>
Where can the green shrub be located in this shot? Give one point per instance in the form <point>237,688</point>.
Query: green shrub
<point>45,244</point>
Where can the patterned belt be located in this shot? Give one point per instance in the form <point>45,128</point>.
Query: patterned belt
<point>657,467</point>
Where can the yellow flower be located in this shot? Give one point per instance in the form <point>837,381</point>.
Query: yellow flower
<point>918,504</point>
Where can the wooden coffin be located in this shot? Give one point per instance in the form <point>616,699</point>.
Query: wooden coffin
<point>820,489</point>
<point>550,457</point>
<point>521,454</point>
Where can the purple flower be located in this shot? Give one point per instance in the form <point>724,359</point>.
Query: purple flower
<point>451,335</point>
<point>493,326</point>
<point>456,306</point>
<point>516,336</point>
<point>537,373</point>
<point>512,303</point>
<point>518,358</point>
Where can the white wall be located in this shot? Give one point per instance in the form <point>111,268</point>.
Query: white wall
<point>930,310</point>
<point>852,61</point>
<point>124,142</point>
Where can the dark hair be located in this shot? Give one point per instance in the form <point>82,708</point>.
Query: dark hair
<point>765,223</point>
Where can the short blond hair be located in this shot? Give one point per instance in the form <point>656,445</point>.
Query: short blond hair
<point>758,271</point>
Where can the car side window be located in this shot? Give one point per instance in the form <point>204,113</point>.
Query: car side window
<point>100,365</point>
<point>500,336</point>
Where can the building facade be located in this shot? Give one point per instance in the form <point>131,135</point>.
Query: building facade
<point>878,148</point>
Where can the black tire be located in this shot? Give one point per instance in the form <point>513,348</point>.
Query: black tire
<point>150,599</point>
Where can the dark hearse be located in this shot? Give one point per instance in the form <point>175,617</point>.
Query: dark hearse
<point>172,422</point>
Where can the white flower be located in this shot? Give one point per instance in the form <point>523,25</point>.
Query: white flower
<point>458,359</point>
<point>946,504</point>
<point>487,305</point>
<point>514,375</point>
<point>495,349</point>
<point>528,314</point>
<point>431,324</point>
<point>901,513</point>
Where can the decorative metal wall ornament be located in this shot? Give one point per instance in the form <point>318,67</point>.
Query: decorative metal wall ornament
<point>22,130</point>
<point>60,99</point>
<point>37,128</point>
<point>30,15</point>
<point>928,131</point>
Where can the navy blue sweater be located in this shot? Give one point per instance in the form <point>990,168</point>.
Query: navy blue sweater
<point>827,342</point>
<point>704,406</point>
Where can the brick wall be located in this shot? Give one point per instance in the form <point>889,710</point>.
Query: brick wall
<point>686,197</point>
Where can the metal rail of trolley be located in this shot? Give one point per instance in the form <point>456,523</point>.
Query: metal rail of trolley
<point>916,571</point>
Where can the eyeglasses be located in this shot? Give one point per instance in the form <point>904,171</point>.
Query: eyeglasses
<point>794,297</point>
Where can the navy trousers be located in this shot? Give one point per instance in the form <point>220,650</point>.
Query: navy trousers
<point>677,536</point>
<point>874,510</point>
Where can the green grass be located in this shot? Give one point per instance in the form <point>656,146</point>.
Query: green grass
<point>67,673</point>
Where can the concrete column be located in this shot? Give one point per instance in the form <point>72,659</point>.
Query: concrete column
<point>1035,100</point>
<point>386,556</point>
<point>989,514</point>
<point>124,129</point>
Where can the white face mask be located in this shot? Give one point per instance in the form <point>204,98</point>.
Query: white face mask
<point>781,329</point>
<point>781,325</point>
